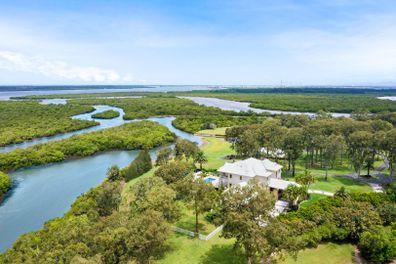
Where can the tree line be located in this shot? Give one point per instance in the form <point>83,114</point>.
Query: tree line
<point>322,141</point>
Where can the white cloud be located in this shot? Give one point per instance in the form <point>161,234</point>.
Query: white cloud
<point>18,62</point>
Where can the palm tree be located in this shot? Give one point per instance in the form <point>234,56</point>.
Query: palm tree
<point>200,158</point>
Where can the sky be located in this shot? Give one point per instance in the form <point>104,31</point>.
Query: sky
<point>213,42</point>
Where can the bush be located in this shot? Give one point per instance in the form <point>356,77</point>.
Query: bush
<point>378,244</point>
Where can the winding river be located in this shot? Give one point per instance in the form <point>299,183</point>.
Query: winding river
<point>45,192</point>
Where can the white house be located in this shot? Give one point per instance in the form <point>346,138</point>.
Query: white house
<point>265,171</point>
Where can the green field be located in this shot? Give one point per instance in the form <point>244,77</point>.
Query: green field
<point>329,253</point>
<point>220,251</point>
<point>215,150</point>
<point>220,131</point>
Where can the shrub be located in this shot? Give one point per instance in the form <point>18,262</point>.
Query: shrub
<point>378,244</point>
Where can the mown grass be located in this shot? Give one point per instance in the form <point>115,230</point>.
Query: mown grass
<point>220,131</point>
<point>216,150</point>
<point>183,249</point>
<point>218,250</point>
<point>329,253</point>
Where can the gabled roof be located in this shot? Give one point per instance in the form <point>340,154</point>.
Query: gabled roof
<point>251,167</point>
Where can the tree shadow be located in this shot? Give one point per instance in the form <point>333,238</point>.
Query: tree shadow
<point>222,254</point>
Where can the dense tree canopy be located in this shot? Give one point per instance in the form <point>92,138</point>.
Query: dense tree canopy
<point>134,135</point>
<point>5,184</point>
<point>24,120</point>
<point>323,141</point>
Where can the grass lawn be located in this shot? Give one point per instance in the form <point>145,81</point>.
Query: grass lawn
<point>184,249</point>
<point>220,131</point>
<point>187,221</point>
<point>334,183</point>
<point>313,197</point>
<point>329,253</point>
<point>215,149</point>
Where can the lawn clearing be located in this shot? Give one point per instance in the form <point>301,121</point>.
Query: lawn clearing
<point>187,221</point>
<point>184,249</point>
<point>215,150</point>
<point>220,131</point>
<point>334,183</point>
<point>329,253</point>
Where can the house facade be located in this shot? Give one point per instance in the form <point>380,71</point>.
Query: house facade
<point>243,171</point>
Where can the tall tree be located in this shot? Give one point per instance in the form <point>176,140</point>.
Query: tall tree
<point>163,156</point>
<point>113,173</point>
<point>245,211</point>
<point>201,197</point>
<point>293,146</point>
<point>248,144</point>
<point>185,148</point>
<point>359,149</point>
<point>388,147</point>
<point>175,171</point>
<point>331,147</point>
<point>200,158</point>
<point>154,194</point>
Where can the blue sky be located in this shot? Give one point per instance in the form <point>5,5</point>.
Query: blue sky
<point>248,42</point>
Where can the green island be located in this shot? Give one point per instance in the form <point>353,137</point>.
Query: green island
<point>109,114</point>
<point>134,135</point>
<point>26,120</point>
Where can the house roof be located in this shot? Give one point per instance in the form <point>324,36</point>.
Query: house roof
<point>274,183</point>
<point>251,167</point>
<point>280,184</point>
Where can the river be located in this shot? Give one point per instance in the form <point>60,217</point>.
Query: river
<point>45,192</point>
<point>243,106</point>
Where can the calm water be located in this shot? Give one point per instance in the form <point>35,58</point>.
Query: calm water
<point>42,193</point>
<point>392,98</point>
<point>242,106</point>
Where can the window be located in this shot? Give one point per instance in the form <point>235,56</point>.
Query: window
<point>240,178</point>
<point>230,176</point>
